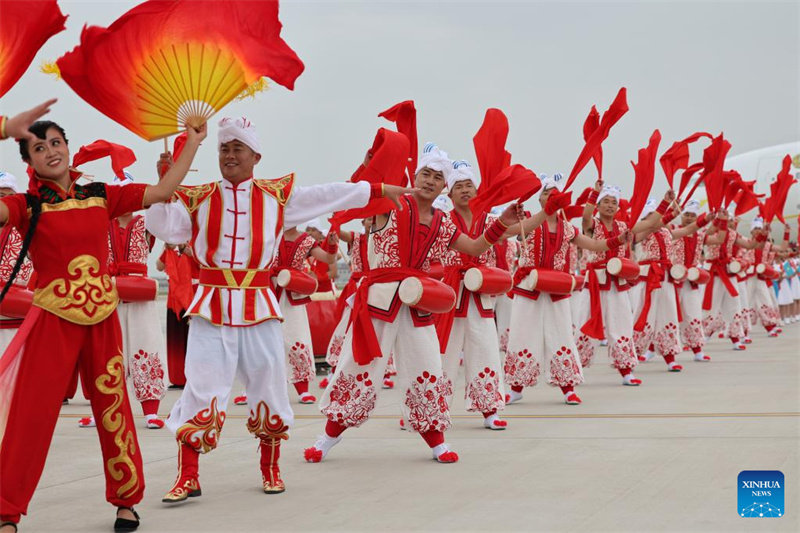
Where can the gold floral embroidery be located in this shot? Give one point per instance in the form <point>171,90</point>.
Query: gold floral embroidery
<point>85,296</point>
<point>202,431</point>
<point>280,189</point>
<point>263,425</point>
<point>114,422</point>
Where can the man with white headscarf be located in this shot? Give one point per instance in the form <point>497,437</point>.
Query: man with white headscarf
<point>762,306</point>
<point>234,226</point>
<point>654,298</point>
<point>721,302</point>
<point>469,328</point>
<point>402,245</point>
<point>688,251</point>
<point>143,344</point>
<point>541,341</point>
<point>10,247</point>
<point>609,310</point>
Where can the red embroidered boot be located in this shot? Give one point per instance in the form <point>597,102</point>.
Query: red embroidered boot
<point>187,485</point>
<point>270,471</point>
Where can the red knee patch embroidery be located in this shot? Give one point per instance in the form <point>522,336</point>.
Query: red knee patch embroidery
<point>352,399</point>
<point>426,399</point>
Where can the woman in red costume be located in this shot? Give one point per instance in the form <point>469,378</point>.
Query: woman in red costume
<point>73,322</point>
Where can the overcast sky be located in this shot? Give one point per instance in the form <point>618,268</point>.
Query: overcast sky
<point>688,66</point>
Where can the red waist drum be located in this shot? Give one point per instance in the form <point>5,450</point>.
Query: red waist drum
<point>426,294</point>
<point>136,288</point>
<point>623,267</point>
<point>297,282</point>
<point>436,271</point>
<point>580,281</point>
<point>552,281</point>
<point>678,272</point>
<point>488,280</point>
<point>17,302</point>
<point>765,271</point>
<point>698,275</point>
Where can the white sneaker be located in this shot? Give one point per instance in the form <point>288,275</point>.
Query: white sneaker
<point>443,454</point>
<point>700,356</point>
<point>317,453</point>
<point>494,422</point>
<point>649,355</point>
<point>739,347</point>
<point>87,422</point>
<point>513,396</point>
<point>631,380</point>
<point>604,342</point>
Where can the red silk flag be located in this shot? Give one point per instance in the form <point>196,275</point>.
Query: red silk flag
<point>615,111</point>
<point>645,171</point>
<point>121,156</point>
<point>404,115</point>
<point>713,161</point>
<point>733,184</point>
<point>779,191</point>
<point>166,64</point>
<point>387,165</point>
<point>25,25</point>
<point>677,157</point>
<point>590,125</point>
<point>686,177</point>
<point>490,147</point>
<point>513,183</point>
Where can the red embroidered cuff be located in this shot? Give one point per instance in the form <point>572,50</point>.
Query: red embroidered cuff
<point>662,207</point>
<point>495,232</point>
<point>330,247</point>
<point>786,235</point>
<point>761,237</point>
<point>593,197</point>
<point>376,190</point>
<point>668,217</point>
<point>721,223</point>
<point>701,221</point>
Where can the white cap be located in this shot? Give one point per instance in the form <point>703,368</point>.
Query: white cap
<point>649,207</point>
<point>318,224</point>
<point>435,159</point>
<point>443,203</point>
<point>128,178</point>
<point>462,171</point>
<point>692,206</point>
<point>238,129</point>
<point>609,190</point>
<point>757,223</point>
<point>556,181</point>
<point>8,181</point>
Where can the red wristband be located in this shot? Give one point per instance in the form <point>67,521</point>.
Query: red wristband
<point>701,221</point>
<point>786,235</point>
<point>761,238</point>
<point>613,242</point>
<point>668,217</point>
<point>495,232</point>
<point>593,197</point>
<point>662,207</point>
<point>376,190</point>
<point>330,247</point>
<point>721,223</point>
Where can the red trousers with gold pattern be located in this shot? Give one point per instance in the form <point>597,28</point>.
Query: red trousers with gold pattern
<point>53,349</point>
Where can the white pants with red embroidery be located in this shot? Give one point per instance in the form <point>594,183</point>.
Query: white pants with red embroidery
<point>762,302</point>
<point>691,300</point>
<point>618,322</point>
<point>354,389</point>
<point>144,348</point>
<point>215,356</point>
<point>502,313</point>
<point>475,337</point>
<point>580,309</point>
<point>297,343</point>
<point>337,342</point>
<point>661,328</point>
<point>747,312</point>
<point>541,343</point>
<point>726,310</point>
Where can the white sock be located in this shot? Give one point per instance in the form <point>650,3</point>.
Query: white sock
<point>150,417</point>
<point>489,421</point>
<point>628,378</point>
<point>440,449</point>
<point>325,442</point>
<point>514,396</point>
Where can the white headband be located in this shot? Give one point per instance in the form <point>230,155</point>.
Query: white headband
<point>442,203</point>
<point>757,223</point>
<point>238,129</point>
<point>692,206</point>
<point>609,190</point>
<point>8,181</point>
<point>128,178</point>
<point>555,181</point>
<point>317,224</point>
<point>462,171</point>
<point>649,207</point>
<point>435,159</point>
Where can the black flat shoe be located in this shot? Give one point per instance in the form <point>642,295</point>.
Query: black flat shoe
<point>176,387</point>
<point>123,524</point>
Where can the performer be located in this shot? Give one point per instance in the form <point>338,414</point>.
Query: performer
<point>183,274</point>
<point>541,341</point>
<point>234,226</point>
<point>129,246</point>
<point>295,248</point>
<point>73,321</point>
<point>721,302</point>
<point>469,328</point>
<point>10,246</point>
<point>688,251</point>
<point>741,283</point>
<point>401,245</point>
<point>608,307</point>
<point>758,288</point>
<point>654,299</point>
